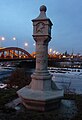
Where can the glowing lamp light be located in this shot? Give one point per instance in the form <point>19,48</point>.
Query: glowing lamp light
<point>14,38</point>
<point>57,53</point>
<point>64,56</point>
<point>26,44</point>
<point>50,50</point>
<point>2,38</point>
<point>54,52</point>
<point>34,44</point>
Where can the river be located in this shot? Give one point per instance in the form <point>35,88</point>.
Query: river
<point>71,79</point>
<point>5,71</point>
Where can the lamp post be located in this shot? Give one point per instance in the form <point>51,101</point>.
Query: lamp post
<point>34,44</point>
<point>14,38</point>
<point>25,45</point>
<point>1,39</point>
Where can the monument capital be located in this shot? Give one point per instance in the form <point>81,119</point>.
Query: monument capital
<point>42,25</point>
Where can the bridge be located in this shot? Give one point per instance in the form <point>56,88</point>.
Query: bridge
<point>13,53</point>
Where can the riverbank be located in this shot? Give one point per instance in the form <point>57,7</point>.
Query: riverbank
<point>70,109</point>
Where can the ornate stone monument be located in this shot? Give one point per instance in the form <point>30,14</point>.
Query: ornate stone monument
<point>42,93</point>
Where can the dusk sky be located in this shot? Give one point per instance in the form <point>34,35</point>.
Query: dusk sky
<point>66,16</point>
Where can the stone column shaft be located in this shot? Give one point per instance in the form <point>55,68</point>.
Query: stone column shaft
<point>41,56</point>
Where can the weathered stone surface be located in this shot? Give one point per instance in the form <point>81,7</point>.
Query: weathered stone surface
<point>40,100</point>
<point>42,94</point>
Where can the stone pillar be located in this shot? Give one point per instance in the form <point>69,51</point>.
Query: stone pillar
<point>42,94</point>
<point>41,55</point>
<point>41,79</point>
<point>42,35</point>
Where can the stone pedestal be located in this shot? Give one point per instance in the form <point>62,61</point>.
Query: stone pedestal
<point>40,100</point>
<point>42,94</point>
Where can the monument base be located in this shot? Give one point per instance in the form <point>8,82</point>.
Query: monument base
<point>40,100</point>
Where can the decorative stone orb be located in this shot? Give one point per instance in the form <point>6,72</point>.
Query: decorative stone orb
<point>43,8</point>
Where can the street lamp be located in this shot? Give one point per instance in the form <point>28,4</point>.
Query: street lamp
<point>34,44</point>
<point>14,38</point>
<point>1,39</point>
<point>54,52</point>
<point>50,50</point>
<point>25,45</point>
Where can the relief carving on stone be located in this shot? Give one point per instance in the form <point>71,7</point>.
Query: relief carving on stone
<point>40,27</point>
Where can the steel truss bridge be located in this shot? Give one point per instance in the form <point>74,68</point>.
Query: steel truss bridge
<point>14,53</point>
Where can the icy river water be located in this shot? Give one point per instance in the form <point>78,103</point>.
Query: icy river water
<point>5,71</point>
<point>71,78</point>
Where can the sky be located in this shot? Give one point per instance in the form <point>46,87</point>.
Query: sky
<point>66,15</point>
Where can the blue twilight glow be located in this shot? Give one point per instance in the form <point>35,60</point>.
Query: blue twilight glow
<point>66,16</point>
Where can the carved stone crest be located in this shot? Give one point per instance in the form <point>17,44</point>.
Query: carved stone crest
<point>40,27</point>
